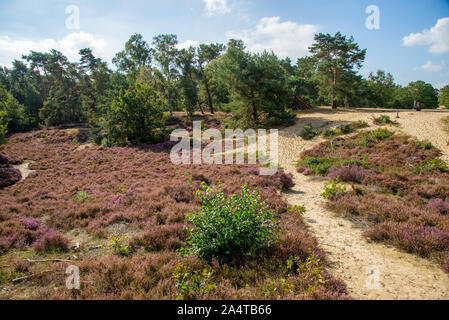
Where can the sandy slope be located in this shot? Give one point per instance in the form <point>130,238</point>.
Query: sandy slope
<point>402,275</point>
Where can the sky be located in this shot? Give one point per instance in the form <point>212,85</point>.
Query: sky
<point>408,38</point>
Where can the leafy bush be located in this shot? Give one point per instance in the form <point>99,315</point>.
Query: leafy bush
<point>309,132</point>
<point>3,125</point>
<point>225,227</point>
<point>360,124</point>
<point>333,189</point>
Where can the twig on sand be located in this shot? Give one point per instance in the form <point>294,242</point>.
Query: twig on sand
<point>17,280</point>
<point>48,260</point>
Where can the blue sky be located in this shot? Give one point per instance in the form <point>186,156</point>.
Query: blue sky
<point>412,42</point>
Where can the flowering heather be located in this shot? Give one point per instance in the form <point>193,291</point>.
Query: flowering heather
<point>399,198</point>
<point>9,176</point>
<point>350,173</point>
<point>422,240</point>
<point>51,241</point>
<point>439,205</point>
<point>137,192</point>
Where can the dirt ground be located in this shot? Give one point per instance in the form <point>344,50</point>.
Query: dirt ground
<point>353,259</point>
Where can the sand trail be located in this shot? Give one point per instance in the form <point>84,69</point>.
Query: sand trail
<point>352,258</point>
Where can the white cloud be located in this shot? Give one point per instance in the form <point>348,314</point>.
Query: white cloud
<point>437,37</point>
<point>187,44</point>
<point>70,45</point>
<point>287,39</point>
<point>216,7</point>
<point>430,67</point>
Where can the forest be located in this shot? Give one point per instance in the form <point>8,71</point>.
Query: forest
<point>131,101</point>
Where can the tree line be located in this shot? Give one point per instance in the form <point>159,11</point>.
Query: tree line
<point>150,81</point>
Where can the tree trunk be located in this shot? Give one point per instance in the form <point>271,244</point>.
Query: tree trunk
<point>168,93</point>
<point>209,97</point>
<point>334,102</point>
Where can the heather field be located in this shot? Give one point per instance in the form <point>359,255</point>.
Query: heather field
<point>395,186</point>
<point>119,214</point>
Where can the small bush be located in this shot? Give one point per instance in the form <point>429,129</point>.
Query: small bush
<point>191,285</point>
<point>51,241</point>
<point>384,120</point>
<point>9,176</point>
<point>425,145</point>
<point>225,227</point>
<point>350,173</point>
<point>119,246</point>
<point>329,133</point>
<point>439,205</point>
<point>309,132</point>
<point>345,128</point>
<point>360,124</point>
<point>333,189</point>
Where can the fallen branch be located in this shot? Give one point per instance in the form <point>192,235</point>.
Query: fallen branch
<point>17,280</point>
<point>48,260</point>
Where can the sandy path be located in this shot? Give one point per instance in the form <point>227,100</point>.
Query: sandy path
<point>401,275</point>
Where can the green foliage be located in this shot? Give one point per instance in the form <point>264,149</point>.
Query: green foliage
<point>191,285</point>
<point>135,115</point>
<point>425,145</point>
<point>375,136</point>
<point>13,113</point>
<point>432,165</point>
<point>384,120</point>
<point>227,227</point>
<point>301,210</point>
<point>309,132</point>
<point>333,189</point>
<point>336,71</point>
<point>3,125</point>
<point>311,270</point>
<point>424,93</point>
<point>321,166</point>
<point>444,96</point>
<point>119,246</point>
<point>81,196</point>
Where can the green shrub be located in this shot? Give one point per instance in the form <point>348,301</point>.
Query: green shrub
<point>375,136</point>
<point>191,285</point>
<point>3,125</point>
<point>425,145</point>
<point>345,128</point>
<point>333,189</point>
<point>431,165</point>
<point>119,246</point>
<point>384,120</point>
<point>321,166</point>
<point>360,124</point>
<point>309,132</point>
<point>329,133</point>
<point>225,227</point>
